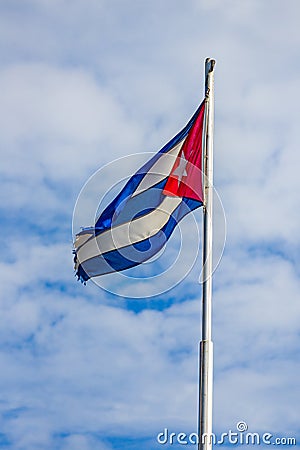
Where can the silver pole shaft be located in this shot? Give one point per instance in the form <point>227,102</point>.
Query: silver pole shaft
<point>206,345</point>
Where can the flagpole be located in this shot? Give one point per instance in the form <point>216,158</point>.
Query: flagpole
<point>206,345</point>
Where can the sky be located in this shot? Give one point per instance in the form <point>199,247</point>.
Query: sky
<point>83,84</point>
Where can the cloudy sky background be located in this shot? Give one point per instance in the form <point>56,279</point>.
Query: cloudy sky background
<point>86,82</point>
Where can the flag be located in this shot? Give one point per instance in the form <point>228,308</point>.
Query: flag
<point>139,221</point>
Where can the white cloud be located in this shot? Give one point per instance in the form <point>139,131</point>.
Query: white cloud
<point>56,117</point>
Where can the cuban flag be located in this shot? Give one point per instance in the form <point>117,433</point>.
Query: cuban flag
<point>139,221</point>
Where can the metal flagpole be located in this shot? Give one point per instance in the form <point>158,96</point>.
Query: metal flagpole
<point>206,345</point>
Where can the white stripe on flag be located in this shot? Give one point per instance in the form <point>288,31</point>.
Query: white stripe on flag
<point>82,238</point>
<point>129,233</point>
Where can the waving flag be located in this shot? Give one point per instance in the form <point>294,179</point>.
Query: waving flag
<point>140,220</point>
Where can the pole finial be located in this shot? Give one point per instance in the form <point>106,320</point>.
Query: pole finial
<point>209,68</point>
<point>211,62</point>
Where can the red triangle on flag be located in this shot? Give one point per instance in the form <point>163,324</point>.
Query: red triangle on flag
<point>185,179</point>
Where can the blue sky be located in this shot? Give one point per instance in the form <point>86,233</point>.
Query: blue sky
<point>84,83</point>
